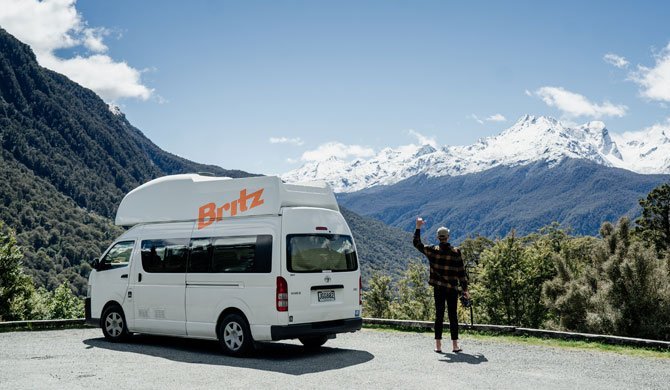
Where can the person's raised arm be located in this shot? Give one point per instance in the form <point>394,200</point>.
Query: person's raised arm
<point>417,235</point>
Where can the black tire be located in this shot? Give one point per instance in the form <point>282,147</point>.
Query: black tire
<point>313,342</point>
<point>113,324</point>
<point>235,336</point>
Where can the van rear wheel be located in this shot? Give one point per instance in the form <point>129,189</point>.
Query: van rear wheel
<point>114,324</point>
<point>313,342</point>
<point>235,335</point>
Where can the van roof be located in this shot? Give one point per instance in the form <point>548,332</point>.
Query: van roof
<point>207,199</point>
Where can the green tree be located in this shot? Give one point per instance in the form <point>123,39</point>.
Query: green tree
<point>15,286</point>
<point>615,285</point>
<point>377,299</point>
<point>509,279</point>
<point>654,223</point>
<point>65,304</point>
<point>415,299</point>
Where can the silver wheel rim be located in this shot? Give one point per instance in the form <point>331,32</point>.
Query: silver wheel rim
<point>114,324</point>
<point>233,336</point>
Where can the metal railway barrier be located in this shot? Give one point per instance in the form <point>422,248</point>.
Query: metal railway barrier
<point>511,330</point>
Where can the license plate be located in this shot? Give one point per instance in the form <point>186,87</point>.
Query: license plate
<point>326,296</point>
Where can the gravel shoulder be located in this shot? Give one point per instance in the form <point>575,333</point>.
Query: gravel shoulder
<point>81,358</point>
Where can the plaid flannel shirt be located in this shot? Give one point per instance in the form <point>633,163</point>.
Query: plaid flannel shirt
<point>446,264</point>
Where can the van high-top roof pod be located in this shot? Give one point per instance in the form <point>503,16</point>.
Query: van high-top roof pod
<point>207,199</point>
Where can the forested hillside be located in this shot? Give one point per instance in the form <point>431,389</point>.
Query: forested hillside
<point>66,161</point>
<point>578,194</point>
<point>381,248</point>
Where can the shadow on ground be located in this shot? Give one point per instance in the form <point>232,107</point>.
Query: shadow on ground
<point>462,357</point>
<point>277,357</point>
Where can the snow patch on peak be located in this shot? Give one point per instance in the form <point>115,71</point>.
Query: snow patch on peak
<point>114,109</point>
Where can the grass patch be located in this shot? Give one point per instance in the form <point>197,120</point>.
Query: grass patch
<point>545,342</point>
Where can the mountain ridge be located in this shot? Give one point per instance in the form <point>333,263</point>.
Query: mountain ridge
<point>578,194</point>
<point>529,140</point>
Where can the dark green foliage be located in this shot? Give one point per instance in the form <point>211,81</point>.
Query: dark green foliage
<point>615,285</point>
<point>13,282</point>
<point>654,224</point>
<point>414,299</point>
<point>378,296</point>
<point>19,300</point>
<point>506,280</point>
<point>579,194</point>
<point>409,298</point>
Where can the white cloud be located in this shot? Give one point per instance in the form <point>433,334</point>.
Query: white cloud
<point>528,93</point>
<point>284,140</point>
<point>337,149</point>
<point>423,140</point>
<point>655,81</point>
<point>50,25</point>
<point>490,118</point>
<point>496,118</point>
<point>575,105</point>
<point>616,60</point>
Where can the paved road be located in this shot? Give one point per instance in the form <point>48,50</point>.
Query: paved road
<point>82,359</point>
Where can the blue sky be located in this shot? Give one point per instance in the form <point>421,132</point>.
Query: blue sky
<point>264,86</point>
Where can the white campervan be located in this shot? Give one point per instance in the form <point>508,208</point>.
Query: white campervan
<point>238,260</point>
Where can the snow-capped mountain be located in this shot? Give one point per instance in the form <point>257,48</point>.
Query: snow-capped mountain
<point>530,139</point>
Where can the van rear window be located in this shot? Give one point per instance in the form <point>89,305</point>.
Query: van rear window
<point>244,254</point>
<point>320,252</point>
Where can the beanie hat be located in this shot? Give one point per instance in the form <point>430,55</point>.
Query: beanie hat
<point>443,231</point>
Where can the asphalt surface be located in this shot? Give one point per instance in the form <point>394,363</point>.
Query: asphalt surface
<point>82,359</point>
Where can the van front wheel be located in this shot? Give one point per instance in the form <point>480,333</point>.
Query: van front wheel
<point>313,342</point>
<point>235,336</point>
<point>114,324</point>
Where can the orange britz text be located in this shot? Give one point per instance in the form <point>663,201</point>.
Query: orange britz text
<point>210,213</point>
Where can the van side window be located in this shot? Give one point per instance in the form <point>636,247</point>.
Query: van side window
<point>164,256</point>
<point>118,256</point>
<point>244,254</point>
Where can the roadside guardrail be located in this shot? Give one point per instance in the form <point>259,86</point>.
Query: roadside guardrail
<point>503,329</point>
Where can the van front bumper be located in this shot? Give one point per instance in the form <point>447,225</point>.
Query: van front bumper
<point>87,313</point>
<point>315,329</point>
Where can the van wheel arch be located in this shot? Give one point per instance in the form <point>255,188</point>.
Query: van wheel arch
<point>230,310</point>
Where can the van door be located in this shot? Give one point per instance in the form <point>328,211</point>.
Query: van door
<point>321,267</point>
<point>111,276</point>
<point>158,286</point>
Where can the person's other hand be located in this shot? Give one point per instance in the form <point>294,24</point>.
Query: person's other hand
<point>419,223</point>
<point>466,294</point>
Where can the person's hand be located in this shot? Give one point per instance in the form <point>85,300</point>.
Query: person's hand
<point>466,294</point>
<point>419,223</point>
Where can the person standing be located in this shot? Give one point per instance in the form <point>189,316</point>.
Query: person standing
<point>447,271</point>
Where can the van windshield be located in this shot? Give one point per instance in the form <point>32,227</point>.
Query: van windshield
<point>320,252</point>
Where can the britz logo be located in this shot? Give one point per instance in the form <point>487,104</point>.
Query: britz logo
<point>210,213</point>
